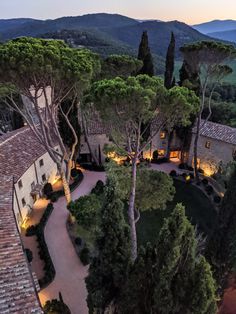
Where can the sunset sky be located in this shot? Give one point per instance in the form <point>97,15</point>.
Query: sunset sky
<point>189,11</point>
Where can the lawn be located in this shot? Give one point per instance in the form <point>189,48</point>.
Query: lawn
<point>198,209</point>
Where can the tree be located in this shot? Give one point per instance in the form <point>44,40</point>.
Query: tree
<point>126,105</point>
<point>207,60</point>
<point>65,132</point>
<point>120,65</point>
<point>171,277</point>
<point>108,270</point>
<point>38,68</point>
<point>170,63</point>
<point>223,260</point>
<point>145,55</point>
<point>153,188</point>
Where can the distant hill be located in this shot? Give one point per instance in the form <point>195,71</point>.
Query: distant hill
<point>226,35</point>
<point>215,26</point>
<point>106,33</point>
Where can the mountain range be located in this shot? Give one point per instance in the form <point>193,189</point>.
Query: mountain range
<point>220,29</point>
<point>112,33</point>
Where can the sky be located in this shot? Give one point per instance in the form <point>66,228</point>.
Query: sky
<point>189,11</point>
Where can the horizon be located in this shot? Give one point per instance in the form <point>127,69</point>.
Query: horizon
<point>190,13</point>
<point>114,13</point>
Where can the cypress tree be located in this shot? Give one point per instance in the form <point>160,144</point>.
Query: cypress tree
<point>108,270</point>
<point>144,54</point>
<point>170,63</point>
<point>221,250</point>
<point>171,278</point>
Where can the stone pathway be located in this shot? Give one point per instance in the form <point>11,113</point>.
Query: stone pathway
<point>70,273</point>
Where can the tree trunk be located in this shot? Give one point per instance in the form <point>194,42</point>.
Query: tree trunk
<point>94,158</point>
<point>131,211</point>
<point>195,149</point>
<point>66,187</point>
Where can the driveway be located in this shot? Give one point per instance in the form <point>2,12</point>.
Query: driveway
<point>70,273</point>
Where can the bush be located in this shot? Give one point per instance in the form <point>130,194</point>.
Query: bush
<point>78,241</point>
<point>160,160</point>
<point>173,173</point>
<point>99,188</point>
<point>93,167</point>
<point>85,256</point>
<point>54,197</point>
<point>56,306</point>
<point>217,199</point>
<point>31,230</point>
<point>183,166</point>
<point>155,155</point>
<point>29,255</point>
<point>205,181</point>
<point>75,172</point>
<point>209,189</point>
<point>47,190</point>
<point>85,209</point>
<point>38,230</point>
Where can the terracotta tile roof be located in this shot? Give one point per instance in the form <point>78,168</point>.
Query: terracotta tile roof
<point>17,291</point>
<point>18,150</point>
<point>95,125</point>
<point>218,132</point>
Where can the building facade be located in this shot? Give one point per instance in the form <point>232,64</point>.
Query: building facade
<point>24,159</point>
<point>216,146</point>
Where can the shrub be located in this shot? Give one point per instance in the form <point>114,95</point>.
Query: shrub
<point>217,199</point>
<point>38,230</point>
<point>31,230</point>
<point>85,209</point>
<point>173,173</point>
<point>29,255</point>
<point>205,181</point>
<point>56,306</point>
<point>47,190</point>
<point>155,155</point>
<point>78,241</point>
<point>183,166</point>
<point>85,256</point>
<point>93,167</point>
<point>161,160</point>
<point>99,188</point>
<point>209,189</point>
<point>75,172</point>
<point>54,197</point>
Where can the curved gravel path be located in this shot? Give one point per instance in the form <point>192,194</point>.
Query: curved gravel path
<point>70,273</point>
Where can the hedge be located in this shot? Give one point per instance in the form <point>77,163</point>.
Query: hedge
<point>38,230</point>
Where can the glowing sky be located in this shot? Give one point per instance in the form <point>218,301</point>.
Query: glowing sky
<point>190,11</point>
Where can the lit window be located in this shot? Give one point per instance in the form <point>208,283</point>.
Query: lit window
<point>162,135</point>
<point>43,177</point>
<point>208,144</point>
<point>41,162</point>
<point>20,185</point>
<point>161,152</point>
<point>23,202</point>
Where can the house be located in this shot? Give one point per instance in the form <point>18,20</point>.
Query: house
<point>18,293</point>
<point>27,161</point>
<point>216,145</point>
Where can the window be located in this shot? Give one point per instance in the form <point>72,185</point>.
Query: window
<point>32,185</point>
<point>161,152</point>
<point>41,162</point>
<point>208,144</point>
<point>23,202</point>
<point>162,134</point>
<point>20,185</point>
<point>44,177</point>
